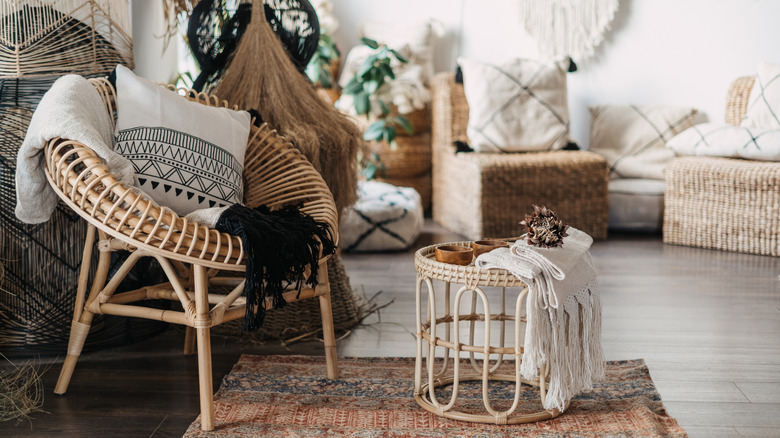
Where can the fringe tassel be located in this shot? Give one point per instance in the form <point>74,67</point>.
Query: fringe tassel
<point>568,27</point>
<point>569,339</point>
<point>281,246</point>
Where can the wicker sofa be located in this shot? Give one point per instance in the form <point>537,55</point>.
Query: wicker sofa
<point>488,194</point>
<point>724,203</point>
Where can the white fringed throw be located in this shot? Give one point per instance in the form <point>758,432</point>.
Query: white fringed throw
<point>567,27</point>
<point>563,313</point>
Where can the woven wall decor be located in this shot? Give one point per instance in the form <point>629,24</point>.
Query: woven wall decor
<point>43,37</point>
<point>40,41</point>
<point>567,27</point>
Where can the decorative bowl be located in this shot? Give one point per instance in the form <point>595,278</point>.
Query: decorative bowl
<point>454,254</point>
<point>483,246</point>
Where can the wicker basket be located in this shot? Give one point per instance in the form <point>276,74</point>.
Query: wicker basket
<point>488,194</point>
<point>724,203</point>
<point>411,157</point>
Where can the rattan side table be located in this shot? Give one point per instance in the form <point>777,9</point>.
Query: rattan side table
<point>449,371</point>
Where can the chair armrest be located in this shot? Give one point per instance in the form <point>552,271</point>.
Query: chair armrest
<point>85,183</point>
<point>737,99</point>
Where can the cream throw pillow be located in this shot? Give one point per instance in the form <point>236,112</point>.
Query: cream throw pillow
<point>519,106</point>
<point>724,140</point>
<point>633,138</point>
<point>187,156</point>
<point>763,110</point>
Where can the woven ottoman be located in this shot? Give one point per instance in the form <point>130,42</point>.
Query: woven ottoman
<point>487,194</point>
<point>384,218</point>
<point>723,203</point>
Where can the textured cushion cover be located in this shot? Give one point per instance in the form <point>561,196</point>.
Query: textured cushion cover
<point>763,111</point>
<point>723,140</point>
<point>633,138</point>
<point>384,218</point>
<point>187,156</point>
<point>636,204</point>
<point>516,107</point>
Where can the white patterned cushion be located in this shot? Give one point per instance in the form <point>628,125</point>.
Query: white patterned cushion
<point>516,107</point>
<point>187,156</point>
<point>633,138</point>
<point>384,218</point>
<point>763,111</point>
<point>724,140</point>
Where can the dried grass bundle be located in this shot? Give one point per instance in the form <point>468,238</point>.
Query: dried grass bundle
<point>261,75</point>
<point>21,392</point>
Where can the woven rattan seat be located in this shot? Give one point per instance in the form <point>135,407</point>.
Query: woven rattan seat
<point>193,257</point>
<point>488,194</point>
<point>724,203</point>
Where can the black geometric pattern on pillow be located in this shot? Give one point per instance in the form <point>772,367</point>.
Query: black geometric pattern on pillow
<point>753,139</point>
<point>663,136</point>
<point>182,164</point>
<point>381,226</point>
<point>761,98</point>
<point>524,88</point>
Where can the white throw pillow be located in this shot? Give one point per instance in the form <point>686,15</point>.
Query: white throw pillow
<point>516,107</point>
<point>724,140</point>
<point>187,156</point>
<point>763,111</point>
<point>633,138</point>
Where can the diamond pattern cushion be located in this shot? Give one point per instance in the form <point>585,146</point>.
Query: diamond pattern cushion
<point>187,156</point>
<point>516,107</point>
<point>633,138</point>
<point>384,218</point>
<point>723,140</point>
<point>763,111</point>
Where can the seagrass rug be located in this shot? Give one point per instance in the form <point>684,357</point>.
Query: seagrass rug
<point>288,396</point>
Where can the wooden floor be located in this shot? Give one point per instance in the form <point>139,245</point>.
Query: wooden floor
<point>706,322</point>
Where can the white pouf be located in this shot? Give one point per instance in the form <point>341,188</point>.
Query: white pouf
<point>636,204</point>
<point>384,218</point>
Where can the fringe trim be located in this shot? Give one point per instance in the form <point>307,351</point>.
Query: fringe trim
<point>569,339</point>
<point>568,27</point>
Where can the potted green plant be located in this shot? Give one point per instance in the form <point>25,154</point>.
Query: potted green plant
<point>368,89</point>
<point>323,65</point>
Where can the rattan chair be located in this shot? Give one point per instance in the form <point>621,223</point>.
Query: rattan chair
<point>192,256</point>
<point>488,194</point>
<point>724,203</point>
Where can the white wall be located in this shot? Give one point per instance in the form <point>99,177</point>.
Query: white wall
<point>683,52</point>
<point>151,61</point>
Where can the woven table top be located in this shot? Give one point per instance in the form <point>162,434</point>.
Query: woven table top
<point>428,267</point>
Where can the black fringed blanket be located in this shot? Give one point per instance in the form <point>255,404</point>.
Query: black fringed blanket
<point>280,245</point>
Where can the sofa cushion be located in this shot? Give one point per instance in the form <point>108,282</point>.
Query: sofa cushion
<point>724,140</point>
<point>763,111</point>
<point>519,106</point>
<point>187,156</point>
<point>633,138</point>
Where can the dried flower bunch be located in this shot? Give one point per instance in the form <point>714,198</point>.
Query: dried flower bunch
<point>544,229</point>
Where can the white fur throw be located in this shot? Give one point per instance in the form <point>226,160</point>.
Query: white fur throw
<point>563,312</point>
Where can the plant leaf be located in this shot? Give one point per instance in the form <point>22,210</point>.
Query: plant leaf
<point>375,131</point>
<point>370,43</point>
<point>405,124</point>
<point>353,87</point>
<point>362,104</point>
<point>399,56</point>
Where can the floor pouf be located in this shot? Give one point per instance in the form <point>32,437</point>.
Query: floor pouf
<point>384,218</point>
<point>636,204</point>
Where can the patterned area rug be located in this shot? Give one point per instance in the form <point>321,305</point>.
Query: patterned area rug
<point>288,396</point>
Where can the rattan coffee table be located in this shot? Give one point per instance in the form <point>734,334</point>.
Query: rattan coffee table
<point>448,372</point>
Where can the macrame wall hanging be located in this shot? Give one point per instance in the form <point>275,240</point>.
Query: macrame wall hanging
<point>567,27</point>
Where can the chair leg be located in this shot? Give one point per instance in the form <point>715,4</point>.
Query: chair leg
<point>82,318</point>
<point>202,320</point>
<point>189,341</point>
<point>329,336</point>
